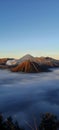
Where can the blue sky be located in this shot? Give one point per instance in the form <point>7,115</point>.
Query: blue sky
<point>29,26</point>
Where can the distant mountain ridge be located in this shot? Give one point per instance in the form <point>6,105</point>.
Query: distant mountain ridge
<point>50,62</point>
<point>29,64</point>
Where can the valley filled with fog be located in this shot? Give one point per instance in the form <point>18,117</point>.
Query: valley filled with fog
<point>24,96</point>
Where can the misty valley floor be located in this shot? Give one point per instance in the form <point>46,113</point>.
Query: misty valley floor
<point>24,96</point>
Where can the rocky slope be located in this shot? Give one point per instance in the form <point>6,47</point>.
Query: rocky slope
<point>50,62</point>
<point>3,61</point>
<point>29,67</point>
<point>29,64</point>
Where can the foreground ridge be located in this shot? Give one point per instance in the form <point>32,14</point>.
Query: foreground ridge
<point>48,122</point>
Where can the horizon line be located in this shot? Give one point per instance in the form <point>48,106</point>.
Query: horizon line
<point>17,57</point>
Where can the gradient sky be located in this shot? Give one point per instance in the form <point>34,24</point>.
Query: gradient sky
<point>29,26</point>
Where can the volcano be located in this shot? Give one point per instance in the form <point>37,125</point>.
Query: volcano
<point>29,67</point>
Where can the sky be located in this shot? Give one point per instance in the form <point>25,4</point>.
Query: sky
<point>29,27</point>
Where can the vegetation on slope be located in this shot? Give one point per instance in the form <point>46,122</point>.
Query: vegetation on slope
<point>48,122</point>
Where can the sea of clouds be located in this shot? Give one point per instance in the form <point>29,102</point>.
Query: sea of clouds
<point>25,96</point>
